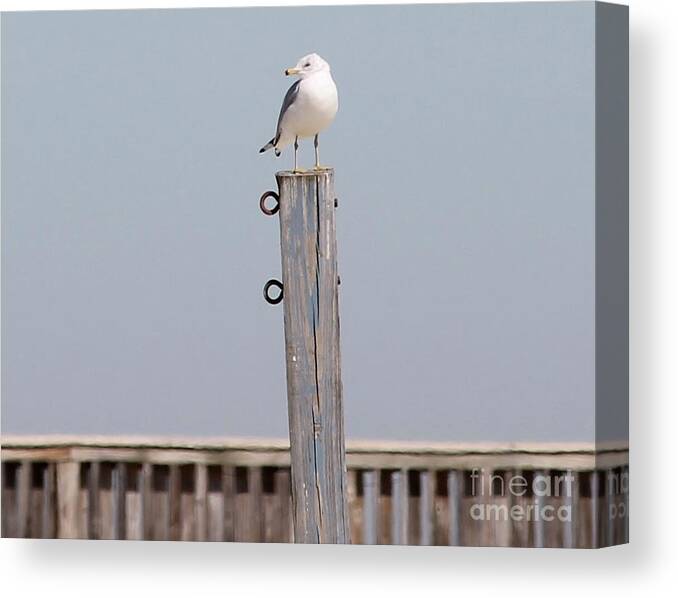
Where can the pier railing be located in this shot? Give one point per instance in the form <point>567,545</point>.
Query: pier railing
<point>550,495</point>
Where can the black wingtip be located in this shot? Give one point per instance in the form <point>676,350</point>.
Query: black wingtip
<point>262,150</point>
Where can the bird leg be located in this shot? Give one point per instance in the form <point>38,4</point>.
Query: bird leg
<point>296,148</point>
<point>317,153</point>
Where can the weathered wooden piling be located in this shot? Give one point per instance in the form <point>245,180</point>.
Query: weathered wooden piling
<point>314,392</point>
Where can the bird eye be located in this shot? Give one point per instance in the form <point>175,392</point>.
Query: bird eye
<point>307,64</point>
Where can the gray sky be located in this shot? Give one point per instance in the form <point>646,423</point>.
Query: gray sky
<point>134,251</point>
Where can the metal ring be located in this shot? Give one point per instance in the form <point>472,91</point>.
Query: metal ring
<point>273,283</point>
<point>262,203</point>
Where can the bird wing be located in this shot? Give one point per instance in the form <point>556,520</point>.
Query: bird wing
<point>290,96</point>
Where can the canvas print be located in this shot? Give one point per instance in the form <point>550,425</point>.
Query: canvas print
<point>361,282</point>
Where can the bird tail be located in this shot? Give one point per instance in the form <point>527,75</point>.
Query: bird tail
<point>268,146</point>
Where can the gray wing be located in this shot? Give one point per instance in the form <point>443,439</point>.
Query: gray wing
<point>290,96</point>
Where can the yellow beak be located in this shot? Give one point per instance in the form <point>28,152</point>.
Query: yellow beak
<point>292,71</point>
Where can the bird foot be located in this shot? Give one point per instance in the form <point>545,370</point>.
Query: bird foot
<point>299,171</point>
<point>320,167</point>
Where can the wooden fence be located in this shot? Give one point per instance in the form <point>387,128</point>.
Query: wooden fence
<point>238,490</point>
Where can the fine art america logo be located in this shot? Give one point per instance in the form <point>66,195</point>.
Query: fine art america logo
<point>527,496</point>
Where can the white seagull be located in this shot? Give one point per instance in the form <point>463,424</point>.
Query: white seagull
<point>309,107</point>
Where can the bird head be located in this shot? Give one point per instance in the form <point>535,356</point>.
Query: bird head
<point>308,65</point>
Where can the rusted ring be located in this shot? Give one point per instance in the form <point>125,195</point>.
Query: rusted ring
<point>262,203</point>
<point>273,283</point>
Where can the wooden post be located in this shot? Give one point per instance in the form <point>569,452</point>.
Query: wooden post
<point>68,483</point>
<point>314,394</point>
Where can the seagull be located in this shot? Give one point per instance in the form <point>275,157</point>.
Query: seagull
<point>309,107</point>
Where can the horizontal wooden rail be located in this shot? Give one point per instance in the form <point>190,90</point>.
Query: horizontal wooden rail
<point>364,454</point>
